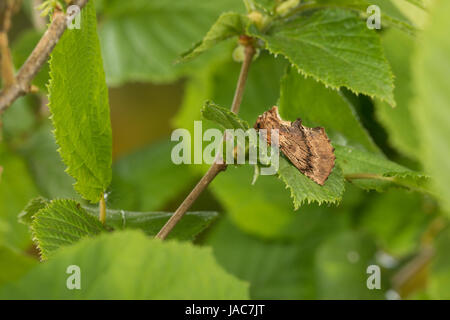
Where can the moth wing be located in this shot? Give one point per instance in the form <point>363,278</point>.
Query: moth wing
<point>294,146</point>
<point>322,154</point>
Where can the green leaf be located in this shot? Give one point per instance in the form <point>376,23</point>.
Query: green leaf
<point>431,67</point>
<point>148,179</point>
<point>333,46</point>
<point>141,39</point>
<point>399,121</point>
<point>304,189</point>
<point>264,209</point>
<point>79,105</point>
<point>372,171</point>
<point>287,268</point>
<point>398,220</point>
<point>292,268</point>
<point>60,223</point>
<point>13,264</point>
<point>228,25</point>
<point>46,166</point>
<point>16,189</point>
<point>319,106</point>
<point>391,16</point>
<point>222,116</point>
<point>129,265</point>
<point>35,204</point>
<point>151,222</point>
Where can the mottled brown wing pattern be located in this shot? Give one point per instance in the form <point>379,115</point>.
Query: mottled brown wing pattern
<point>322,160</point>
<point>308,149</point>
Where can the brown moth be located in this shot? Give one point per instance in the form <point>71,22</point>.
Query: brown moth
<point>309,149</point>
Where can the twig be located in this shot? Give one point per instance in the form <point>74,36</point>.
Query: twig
<point>190,199</point>
<point>239,92</point>
<point>217,166</point>
<point>37,58</point>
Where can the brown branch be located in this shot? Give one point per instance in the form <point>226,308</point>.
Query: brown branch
<point>37,58</point>
<point>239,92</point>
<point>217,166</point>
<point>190,199</point>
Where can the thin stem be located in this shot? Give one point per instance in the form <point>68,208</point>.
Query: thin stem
<point>102,209</point>
<point>357,176</point>
<point>217,166</point>
<point>190,199</point>
<point>36,59</point>
<point>239,92</point>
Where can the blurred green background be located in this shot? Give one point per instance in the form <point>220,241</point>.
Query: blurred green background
<point>316,252</point>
